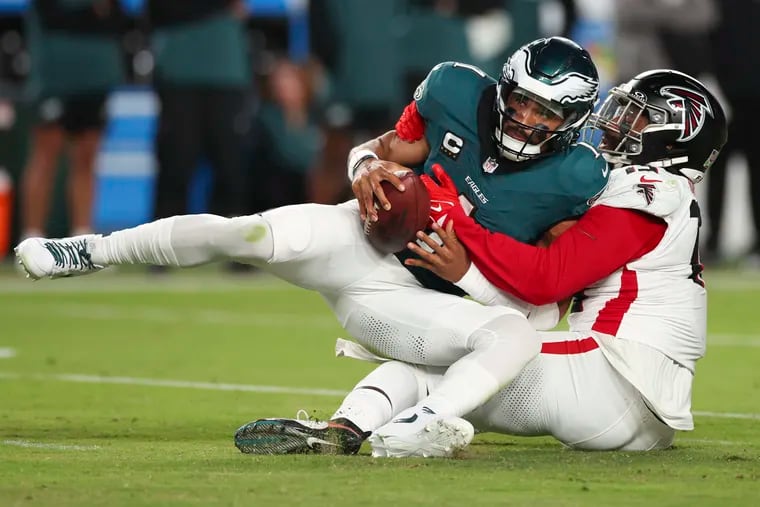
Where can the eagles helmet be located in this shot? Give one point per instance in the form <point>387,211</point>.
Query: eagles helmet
<point>559,75</point>
<point>662,118</point>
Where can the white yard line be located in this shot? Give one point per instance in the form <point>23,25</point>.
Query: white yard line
<point>213,386</point>
<point>734,443</point>
<point>736,281</point>
<point>733,340</point>
<point>132,313</point>
<point>116,283</point>
<point>56,447</point>
<point>726,415</point>
<point>7,352</point>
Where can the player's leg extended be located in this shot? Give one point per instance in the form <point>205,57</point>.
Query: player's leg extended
<point>313,246</point>
<point>570,391</point>
<point>184,240</point>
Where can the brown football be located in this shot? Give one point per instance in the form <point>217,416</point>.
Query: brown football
<point>409,213</point>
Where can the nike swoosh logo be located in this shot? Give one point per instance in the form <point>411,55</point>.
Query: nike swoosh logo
<point>310,441</point>
<point>409,419</point>
<point>439,206</point>
<point>645,180</point>
<point>605,171</point>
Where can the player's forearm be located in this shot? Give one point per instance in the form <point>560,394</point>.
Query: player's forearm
<point>483,291</point>
<point>603,240</point>
<point>388,146</point>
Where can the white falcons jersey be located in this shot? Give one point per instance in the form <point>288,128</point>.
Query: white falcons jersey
<point>650,316</point>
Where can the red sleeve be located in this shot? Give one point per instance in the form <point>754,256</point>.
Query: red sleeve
<point>411,126</point>
<point>602,241</point>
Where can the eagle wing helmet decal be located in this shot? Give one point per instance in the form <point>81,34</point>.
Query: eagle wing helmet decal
<point>570,87</point>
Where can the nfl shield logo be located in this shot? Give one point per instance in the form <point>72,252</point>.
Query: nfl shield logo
<point>490,165</point>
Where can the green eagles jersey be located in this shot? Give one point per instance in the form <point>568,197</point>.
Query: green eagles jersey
<point>205,52</point>
<point>521,199</point>
<point>66,63</point>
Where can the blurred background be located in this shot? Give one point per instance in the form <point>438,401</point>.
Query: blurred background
<point>117,112</point>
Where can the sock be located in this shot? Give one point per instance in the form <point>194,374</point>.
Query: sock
<point>366,408</point>
<point>465,386</point>
<point>187,240</point>
<point>378,397</point>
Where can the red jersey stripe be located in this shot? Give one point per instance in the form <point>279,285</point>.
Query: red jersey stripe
<point>569,347</point>
<point>609,318</point>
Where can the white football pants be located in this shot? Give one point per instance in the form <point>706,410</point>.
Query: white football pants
<point>569,391</point>
<point>323,248</point>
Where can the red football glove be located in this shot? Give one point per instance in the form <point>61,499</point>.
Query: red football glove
<point>443,195</point>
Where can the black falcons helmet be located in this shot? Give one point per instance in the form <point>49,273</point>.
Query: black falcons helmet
<point>661,118</point>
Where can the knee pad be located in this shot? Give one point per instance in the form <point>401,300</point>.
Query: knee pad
<point>291,231</point>
<point>507,336</point>
<point>505,327</point>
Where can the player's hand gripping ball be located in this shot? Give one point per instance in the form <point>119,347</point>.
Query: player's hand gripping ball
<point>409,213</point>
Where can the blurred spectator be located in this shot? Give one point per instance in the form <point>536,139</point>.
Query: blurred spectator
<point>286,139</point>
<point>433,31</point>
<point>362,81</point>
<point>736,43</point>
<point>75,62</point>
<point>676,34</point>
<point>558,17</point>
<point>641,25</point>
<point>202,78</point>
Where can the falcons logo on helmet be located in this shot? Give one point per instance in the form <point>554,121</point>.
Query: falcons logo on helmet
<point>694,106</point>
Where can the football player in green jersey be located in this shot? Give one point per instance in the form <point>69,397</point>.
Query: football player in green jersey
<point>508,147</point>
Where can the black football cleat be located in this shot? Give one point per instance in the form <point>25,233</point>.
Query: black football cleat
<point>294,436</point>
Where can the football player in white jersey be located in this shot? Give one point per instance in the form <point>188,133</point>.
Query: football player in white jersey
<point>621,377</point>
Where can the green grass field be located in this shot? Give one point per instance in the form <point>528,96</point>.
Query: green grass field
<point>122,389</point>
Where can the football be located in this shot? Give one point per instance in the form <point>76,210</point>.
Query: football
<point>555,232</point>
<point>409,213</point>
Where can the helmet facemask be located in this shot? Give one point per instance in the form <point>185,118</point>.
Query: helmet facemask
<point>519,141</point>
<point>661,118</point>
<point>619,127</point>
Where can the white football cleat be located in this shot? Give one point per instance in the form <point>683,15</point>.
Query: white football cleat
<point>421,433</point>
<point>55,258</point>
